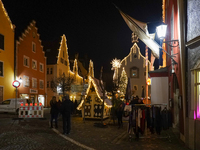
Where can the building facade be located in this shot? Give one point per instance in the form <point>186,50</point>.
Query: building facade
<point>193,74</point>
<point>172,17</point>
<point>31,66</point>
<point>58,65</point>
<point>134,65</point>
<point>6,55</point>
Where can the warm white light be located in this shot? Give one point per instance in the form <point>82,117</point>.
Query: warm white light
<point>20,80</point>
<point>161,31</point>
<point>116,63</point>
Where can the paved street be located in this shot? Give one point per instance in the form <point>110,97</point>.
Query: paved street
<point>35,134</point>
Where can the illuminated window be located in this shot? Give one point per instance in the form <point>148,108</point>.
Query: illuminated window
<point>1,68</point>
<point>34,64</point>
<point>25,81</point>
<point>198,94</point>
<point>41,67</point>
<point>41,84</point>
<point>26,61</point>
<point>34,83</point>
<point>1,42</point>
<point>33,47</point>
<point>134,72</point>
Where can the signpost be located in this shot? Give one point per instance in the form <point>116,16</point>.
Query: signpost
<point>16,84</point>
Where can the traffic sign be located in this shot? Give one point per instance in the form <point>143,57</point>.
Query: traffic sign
<point>16,84</point>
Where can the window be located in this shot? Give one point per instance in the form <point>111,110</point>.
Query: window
<point>65,63</point>
<point>47,70</point>
<point>41,67</point>
<point>135,87</point>
<point>7,102</point>
<point>33,47</point>
<point>34,64</point>
<point>1,93</point>
<point>1,42</point>
<point>26,61</point>
<point>52,84</point>
<point>34,83</point>
<point>51,71</point>
<point>1,68</point>
<point>134,72</point>
<point>41,84</point>
<point>47,84</point>
<point>61,60</point>
<point>26,81</point>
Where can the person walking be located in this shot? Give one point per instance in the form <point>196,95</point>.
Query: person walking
<point>119,115</point>
<point>54,112</point>
<point>66,110</point>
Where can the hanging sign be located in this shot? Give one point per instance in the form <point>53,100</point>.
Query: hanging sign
<point>16,84</point>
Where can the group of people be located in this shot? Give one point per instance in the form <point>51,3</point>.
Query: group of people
<point>120,109</point>
<point>66,108</point>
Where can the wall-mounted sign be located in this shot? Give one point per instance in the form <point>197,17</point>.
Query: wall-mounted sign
<point>16,84</point>
<point>33,91</point>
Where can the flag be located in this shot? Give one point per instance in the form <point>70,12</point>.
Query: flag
<point>140,29</point>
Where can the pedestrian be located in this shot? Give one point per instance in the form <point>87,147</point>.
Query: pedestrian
<point>59,103</point>
<point>66,110</point>
<point>54,112</point>
<point>120,111</point>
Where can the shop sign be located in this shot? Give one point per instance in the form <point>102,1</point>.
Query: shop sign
<point>33,91</point>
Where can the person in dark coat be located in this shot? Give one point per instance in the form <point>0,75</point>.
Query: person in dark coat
<point>54,112</point>
<point>66,110</point>
<point>120,111</point>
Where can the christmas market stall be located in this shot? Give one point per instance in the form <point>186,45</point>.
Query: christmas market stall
<point>94,100</point>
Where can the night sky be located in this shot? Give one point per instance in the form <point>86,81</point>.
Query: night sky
<point>92,27</point>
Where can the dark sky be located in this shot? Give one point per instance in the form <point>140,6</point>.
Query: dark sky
<point>92,27</point>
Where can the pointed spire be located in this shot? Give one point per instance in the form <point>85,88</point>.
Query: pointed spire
<point>91,69</point>
<point>75,67</point>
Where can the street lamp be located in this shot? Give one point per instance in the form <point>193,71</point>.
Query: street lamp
<point>161,32</point>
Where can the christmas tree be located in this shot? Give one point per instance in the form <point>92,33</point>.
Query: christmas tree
<point>123,82</point>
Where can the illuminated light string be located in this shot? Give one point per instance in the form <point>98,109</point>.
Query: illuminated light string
<point>134,51</point>
<point>32,24</point>
<point>6,14</point>
<point>91,81</point>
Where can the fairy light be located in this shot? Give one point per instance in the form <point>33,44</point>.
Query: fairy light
<point>6,14</point>
<point>133,50</point>
<point>92,82</point>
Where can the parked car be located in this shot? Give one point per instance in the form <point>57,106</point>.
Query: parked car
<point>10,105</point>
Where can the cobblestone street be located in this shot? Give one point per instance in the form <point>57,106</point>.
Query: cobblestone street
<point>35,134</point>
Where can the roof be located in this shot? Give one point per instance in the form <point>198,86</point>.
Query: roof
<point>99,91</point>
